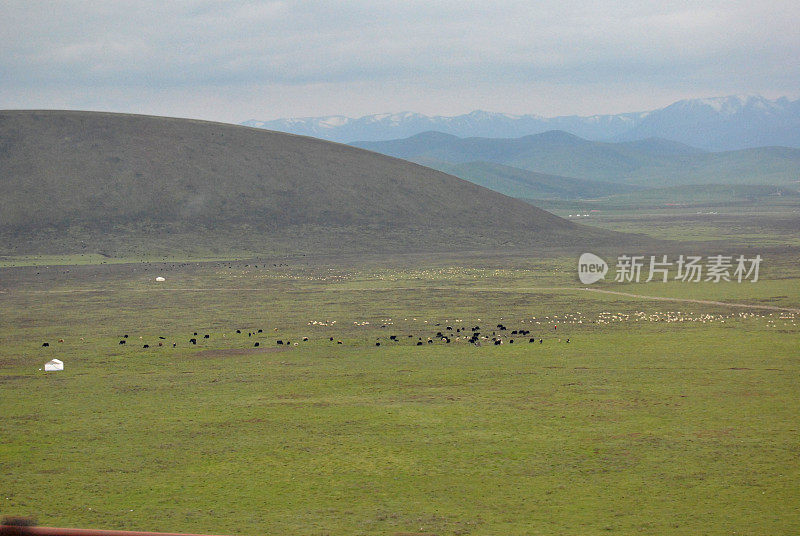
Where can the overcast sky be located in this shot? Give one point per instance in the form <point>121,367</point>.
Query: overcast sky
<point>232,61</point>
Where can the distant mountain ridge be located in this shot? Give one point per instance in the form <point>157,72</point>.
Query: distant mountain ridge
<point>712,124</point>
<point>722,124</point>
<point>380,127</point>
<point>652,162</point>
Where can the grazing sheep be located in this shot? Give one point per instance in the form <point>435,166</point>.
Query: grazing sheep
<point>146,346</point>
<point>45,344</point>
<point>122,341</point>
<point>279,341</point>
<point>193,341</point>
<point>256,344</point>
<point>205,336</point>
<point>238,331</point>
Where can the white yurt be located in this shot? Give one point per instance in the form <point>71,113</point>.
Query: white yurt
<point>54,364</point>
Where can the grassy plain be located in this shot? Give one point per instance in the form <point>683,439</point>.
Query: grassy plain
<point>656,418</point>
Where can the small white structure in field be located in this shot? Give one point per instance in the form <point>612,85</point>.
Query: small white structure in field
<point>160,279</point>
<point>54,364</point>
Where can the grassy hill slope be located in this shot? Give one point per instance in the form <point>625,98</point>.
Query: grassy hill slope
<point>84,177</point>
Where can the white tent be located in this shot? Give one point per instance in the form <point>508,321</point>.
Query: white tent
<point>159,279</point>
<point>55,364</point>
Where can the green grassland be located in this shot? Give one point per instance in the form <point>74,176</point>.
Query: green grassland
<point>751,197</point>
<point>656,417</point>
<point>634,426</point>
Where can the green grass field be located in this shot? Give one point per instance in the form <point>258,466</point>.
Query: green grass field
<point>655,418</point>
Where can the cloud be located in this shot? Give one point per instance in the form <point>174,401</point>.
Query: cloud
<point>154,49</point>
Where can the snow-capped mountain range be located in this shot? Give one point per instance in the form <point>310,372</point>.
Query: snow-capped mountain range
<point>713,124</point>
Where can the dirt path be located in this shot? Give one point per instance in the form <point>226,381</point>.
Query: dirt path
<point>654,298</point>
<point>689,300</point>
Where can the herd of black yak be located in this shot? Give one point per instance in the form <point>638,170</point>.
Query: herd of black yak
<point>474,335</point>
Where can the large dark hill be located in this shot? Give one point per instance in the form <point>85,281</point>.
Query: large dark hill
<point>91,176</point>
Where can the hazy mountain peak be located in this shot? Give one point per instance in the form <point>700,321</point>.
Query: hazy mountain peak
<point>731,104</point>
<point>433,135</point>
<point>715,123</point>
<point>334,121</point>
<point>561,136</point>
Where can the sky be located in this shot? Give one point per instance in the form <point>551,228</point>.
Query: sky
<point>233,61</point>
